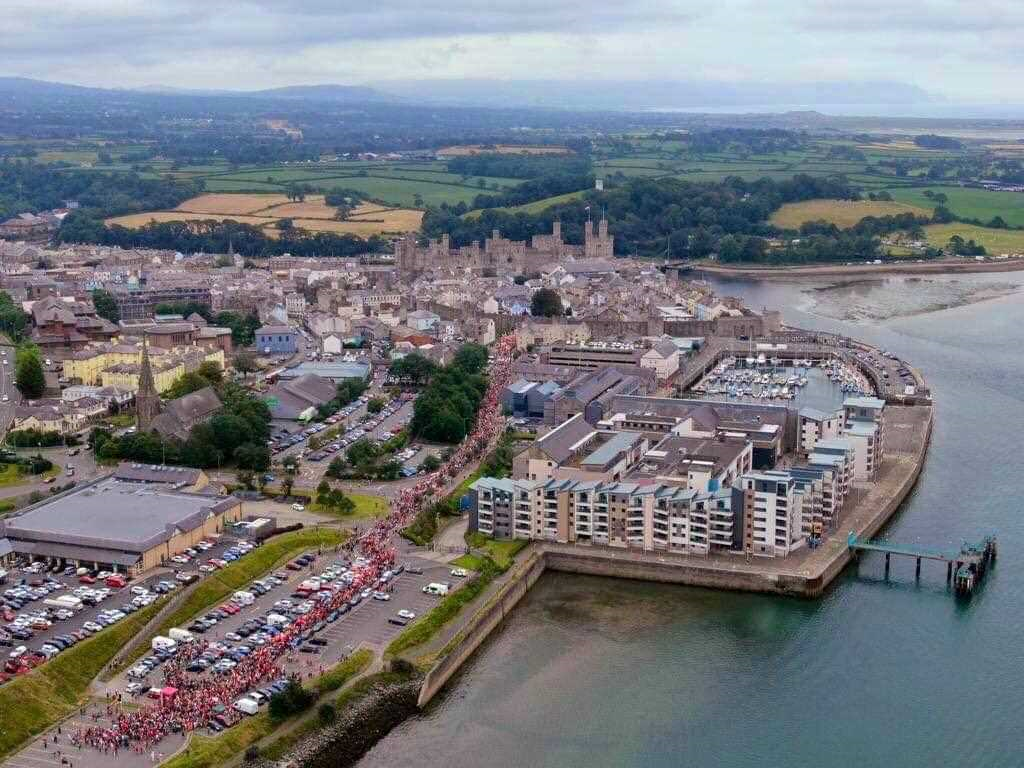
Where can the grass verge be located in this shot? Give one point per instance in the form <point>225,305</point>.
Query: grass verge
<point>430,624</point>
<point>217,586</point>
<point>208,751</point>
<point>367,507</point>
<point>502,552</point>
<point>34,702</point>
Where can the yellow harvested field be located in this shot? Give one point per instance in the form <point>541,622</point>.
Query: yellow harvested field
<point>501,149</point>
<point>896,146</point>
<point>142,219</point>
<point>230,204</point>
<point>842,213</point>
<point>264,211</point>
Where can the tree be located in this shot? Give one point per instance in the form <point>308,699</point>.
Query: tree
<point>246,479</point>
<point>336,468</point>
<point>29,376</point>
<point>546,303</point>
<point>375,405</point>
<point>12,320</point>
<point>106,306</point>
<point>244,363</point>
<point>430,464</point>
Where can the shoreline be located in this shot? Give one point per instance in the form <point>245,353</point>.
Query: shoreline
<point>807,575</point>
<point>784,273</point>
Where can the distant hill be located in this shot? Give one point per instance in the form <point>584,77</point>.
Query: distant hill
<point>320,93</point>
<point>28,87</point>
<point>653,94</point>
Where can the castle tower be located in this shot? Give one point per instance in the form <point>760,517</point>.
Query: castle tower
<point>147,401</point>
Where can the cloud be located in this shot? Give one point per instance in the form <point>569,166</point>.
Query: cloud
<point>942,45</point>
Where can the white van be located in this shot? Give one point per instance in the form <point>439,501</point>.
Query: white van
<point>277,620</point>
<point>244,598</point>
<point>247,706</point>
<point>161,643</point>
<point>181,635</point>
<point>435,588</point>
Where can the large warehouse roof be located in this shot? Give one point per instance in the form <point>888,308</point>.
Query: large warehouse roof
<point>113,515</point>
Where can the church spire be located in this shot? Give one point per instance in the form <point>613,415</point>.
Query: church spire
<point>147,401</point>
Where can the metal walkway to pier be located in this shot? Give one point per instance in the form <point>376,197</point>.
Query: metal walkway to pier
<point>965,567</point>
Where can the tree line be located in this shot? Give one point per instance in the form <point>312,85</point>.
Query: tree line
<point>654,217</point>
<point>446,409</point>
<point>30,186</point>
<point>235,436</point>
<point>211,236</point>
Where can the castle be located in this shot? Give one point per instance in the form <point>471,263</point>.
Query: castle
<point>501,256</point>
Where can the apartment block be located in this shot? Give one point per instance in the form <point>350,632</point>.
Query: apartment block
<point>772,514</point>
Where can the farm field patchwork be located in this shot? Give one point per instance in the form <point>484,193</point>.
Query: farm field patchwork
<point>265,211</point>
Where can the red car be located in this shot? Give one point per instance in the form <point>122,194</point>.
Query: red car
<point>87,579</point>
<point>293,567</point>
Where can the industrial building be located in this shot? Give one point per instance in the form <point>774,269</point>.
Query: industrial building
<point>126,525</point>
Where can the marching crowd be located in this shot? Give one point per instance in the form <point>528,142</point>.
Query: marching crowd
<point>192,701</point>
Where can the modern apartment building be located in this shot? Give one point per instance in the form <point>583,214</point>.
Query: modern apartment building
<point>772,514</point>
<point>647,517</point>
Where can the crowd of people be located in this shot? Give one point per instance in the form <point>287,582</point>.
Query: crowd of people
<point>189,702</point>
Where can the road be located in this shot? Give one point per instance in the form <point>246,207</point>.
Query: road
<point>84,465</point>
<point>9,395</point>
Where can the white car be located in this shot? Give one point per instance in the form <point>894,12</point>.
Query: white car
<point>381,596</point>
<point>92,626</point>
<point>460,573</point>
<point>405,614</point>
<point>298,508</point>
<point>140,591</point>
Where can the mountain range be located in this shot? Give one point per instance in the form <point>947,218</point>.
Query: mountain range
<point>620,95</point>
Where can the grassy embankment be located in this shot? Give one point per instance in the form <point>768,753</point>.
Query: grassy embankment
<point>219,585</point>
<point>32,703</point>
<point>209,751</point>
<point>499,558</point>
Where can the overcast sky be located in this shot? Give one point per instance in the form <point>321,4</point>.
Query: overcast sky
<point>965,49</point>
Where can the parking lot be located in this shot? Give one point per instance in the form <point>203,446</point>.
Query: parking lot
<point>396,415</point>
<point>366,623</point>
<point>47,751</point>
<point>74,622</point>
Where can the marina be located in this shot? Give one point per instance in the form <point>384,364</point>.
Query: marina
<point>759,378</point>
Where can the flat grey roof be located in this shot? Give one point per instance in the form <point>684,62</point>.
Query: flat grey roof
<point>620,441</point>
<point>113,515</point>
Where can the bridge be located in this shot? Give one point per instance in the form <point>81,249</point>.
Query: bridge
<point>966,567</point>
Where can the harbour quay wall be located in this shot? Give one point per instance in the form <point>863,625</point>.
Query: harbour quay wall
<point>807,578</point>
<point>479,628</point>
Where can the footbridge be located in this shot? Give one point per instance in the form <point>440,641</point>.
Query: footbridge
<point>965,567</point>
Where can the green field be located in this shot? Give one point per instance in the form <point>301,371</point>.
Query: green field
<point>367,507</point>
<point>535,207</point>
<point>968,203</point>
<point>996,241</point>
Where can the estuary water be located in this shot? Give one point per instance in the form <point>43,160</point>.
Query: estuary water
<point>599,672</point>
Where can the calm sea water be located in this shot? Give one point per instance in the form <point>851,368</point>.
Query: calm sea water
<point>598,672</point>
